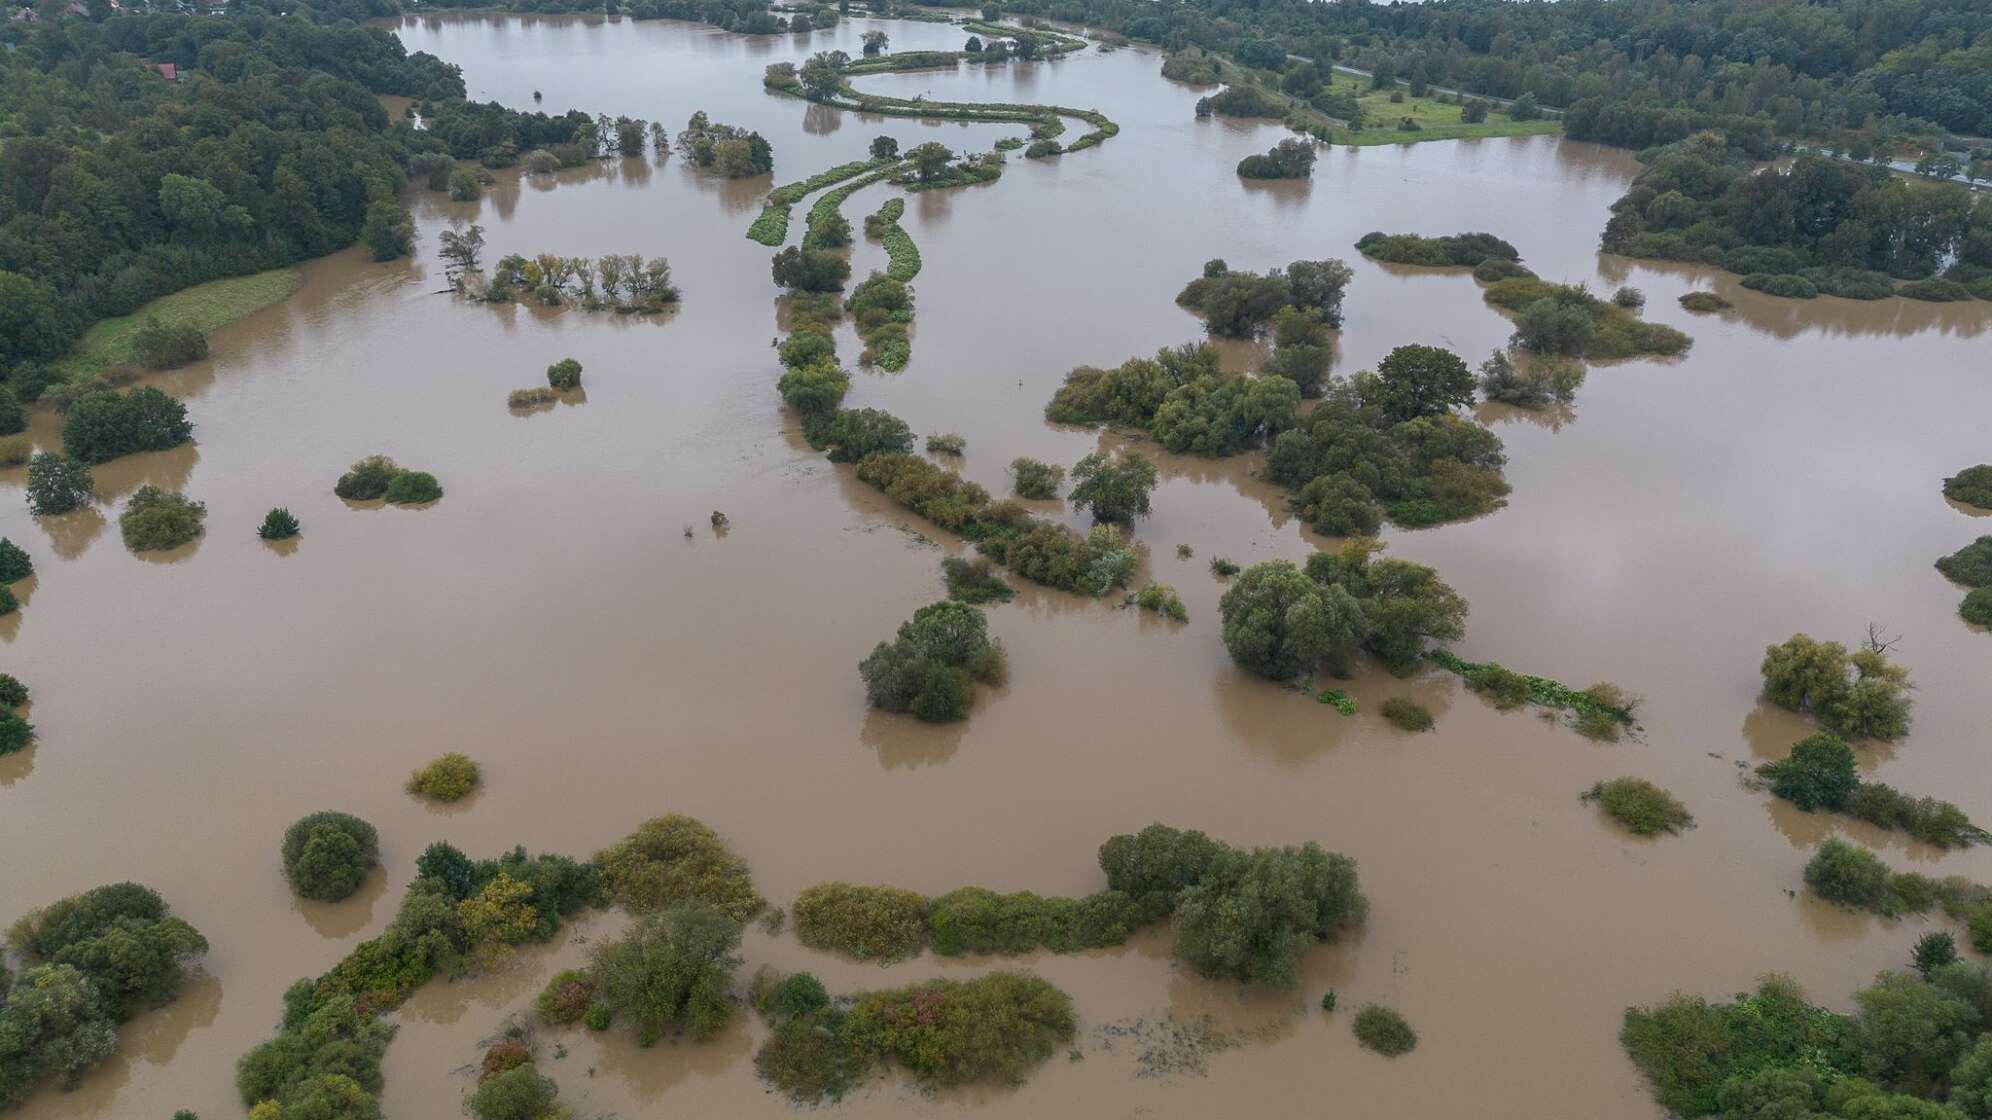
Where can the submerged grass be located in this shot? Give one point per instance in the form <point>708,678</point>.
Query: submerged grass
<point>1599,710</point>
<point>205,307</point>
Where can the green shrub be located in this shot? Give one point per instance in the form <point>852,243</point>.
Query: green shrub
<point>805,1057</point>
<point>1408,715</point>
<point>927,669</point>
<point>870,923</point>
<point>1280,624</point>
<point>15,450</point>
<point>13,693</point>
<point>1705,302</point>
<point>949,444</point>
<point>854,433</point>
<point>519,1093</point>
<point>1163,600</point>
<point>1818,774</point>
<point>1251,915</point>
<point>102,426</point>
<point>1935,291</point>
<point>975,580</point>
<point>1383,1030</point>
<point>530,398</point>
<point>1970,565</point>
<point>1933,951</point>
<point>791,996</point>
<point>1787,285</point>
<point>155,519</point>
<point>598,1017</point>
<point>1846,873</point>
<point>674,859</point>
<point>566,997</point>
<point>448,778</point>
<point>1694,1053</point>
<point>15,734</point>
<point>1976,608</point>
<point>1460,249</point>
<point>564,374</point>
<point>413,488</point>
<point>367,480</point>
<point>1972,486</point>
<point>672,972</point>
<point>165,345</point>
<point>56,484</point>
<point>1807,675</point>
<point>1222,568</point>
<point>1494,269</point>
<point>946,1033</point>
<point>15,563</point>
<point>1156,865</point>
<point>1642,807</point>
<point>327,855</point>
<point>278,525</point>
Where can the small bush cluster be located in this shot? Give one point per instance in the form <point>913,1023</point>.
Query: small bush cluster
<point>1162,599</point>
<point>378,477</point>
<point>15,563</point>
<point>166,345</point>
<point>102,426</point>
<point>1383,1030</point>
<point>1244,304</point>
<point>1972,566</point>
<point>1461,250</point>
<point>1407,715</point>
<point>1846,873</point>
<point>1534,385</point>
<point>882,309</point>
<point>1034,479</point>
<point>278,525</point>
<point>975,580</point>
<point>327,854</point>
<point>15,732</point>
<point>1820,773</point>
<point>625,284</point>
<point>1282,623</point>
<point>155,519</point>
<point>672,973</point>
<point>564,375</point>
<point>948,444</point>
<point>566,997</point>
<point>94,960</point>
<point>530,398</point>
<point>1562,319</point>
<point>1972,486</point>
<point>1291,158</point>
<point>930,667</point>
<point>1642,807</point>
<point>1705,302</point>
<point>1857,696</point>
<point>448,778</point>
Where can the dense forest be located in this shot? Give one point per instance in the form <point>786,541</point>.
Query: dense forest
<point>118,185</point>
<point>1630,73</point>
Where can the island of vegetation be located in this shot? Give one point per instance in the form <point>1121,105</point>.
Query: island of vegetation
<point>379,478</point>
<point>1642,807</point>
<point>157,520</point>
<point>15,731</point>
<point>931,667</point>
<point>1856,696</point>
<point>1820,774</point>
<point>1463,250</point>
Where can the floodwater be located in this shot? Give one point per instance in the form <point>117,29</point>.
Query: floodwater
<point>552,617</point>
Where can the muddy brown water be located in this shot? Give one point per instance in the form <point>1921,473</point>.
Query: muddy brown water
<point>551,617</point>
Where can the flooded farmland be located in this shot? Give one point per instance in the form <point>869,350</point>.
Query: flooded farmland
<point>567,616</point>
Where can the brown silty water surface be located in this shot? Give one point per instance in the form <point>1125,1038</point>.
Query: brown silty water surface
<point>550,616</point>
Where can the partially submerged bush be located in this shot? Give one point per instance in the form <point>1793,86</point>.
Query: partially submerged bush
<point>674,859</point>
<point>413,488</point>
<point>278,525</point>
<point>1972,486</point>
<point>1383,1030</point>
<point>15,563</point>
<point>1819,773</point>
<point>530,398</point>
<point>1163,600</point>
<point>105,425</point>
<point>367,480</point>
<point>867,922</point>
<point>564,374</point>
<point>975,580</point>
<point>671,973</point>
<point>1250,916</point>
<point>1970,565</point>
<point>1536,384</point>
<point>948,444</point>
<point>805,1057</point>
<point>1857,696</point>
<point>1642,807</point>
<point>566,997</point>
<point>448,778</point>
<point>1705,302</point>
<point>1976,608</point>
<point>929,668</point>
<point>1844,872</point>
<point>327,855</point>
<point>155,519</point>
<point>57,484</point>
<point>946,1033</point>
<point>1408,715</point>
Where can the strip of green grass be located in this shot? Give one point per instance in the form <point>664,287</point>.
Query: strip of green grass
<point>206,307</point>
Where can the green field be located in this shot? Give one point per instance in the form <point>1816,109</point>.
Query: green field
<point>208,307</point>
<point>1436,120</point>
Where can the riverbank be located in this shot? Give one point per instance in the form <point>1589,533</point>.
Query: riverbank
<point>109,344</point>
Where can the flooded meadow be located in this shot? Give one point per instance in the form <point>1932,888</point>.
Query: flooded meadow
<point>568,615</point>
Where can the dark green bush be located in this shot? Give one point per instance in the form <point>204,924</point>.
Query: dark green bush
<point>1642,807</point>
<point>854,433</point>
<point>1977,606</point>
<point>670,973</point>
<point>793,995</point>
<point>1972,486</point>
<point>449,777</point>
<point>15,563</point>
<point>674,859</point>
<point>1251,915</point>
<point>519,1093</point>
<point>867,922</point>
<point>975,580</point>
<point>1408,715</point>
<point>1156,865</point>
<point>1038,480</point>
<point>1970,565</point>
<point>57,484</point>
<point>13,693</point>
<point>1705,302</point>
<point>811,270</point>
<point>564,374</point>
<point>1280,624</point>
<point>327,854</point>
<point>1495,269</point>
<point>1383,1030</point>
<point>1934,950</point>
<point>155,519</point>
<point>1846,873</point>
<point>1818,774</point>
<point>805,1057</point>
<point>13,418</point>
<point>1857,696</point>
<point>1162,599</point>
<point>367,480</point>
<point>1787,285</point>
<point>927,668</point>
<point>278,525</point>
<point>1460,249</point>
<point>103,426</point>
<point>1935,291</point>
<point>413,488</point>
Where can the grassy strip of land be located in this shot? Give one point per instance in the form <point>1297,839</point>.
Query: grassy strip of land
<point>1600,709</point>
<point>899,248</point>
<point>1435,120</point>
<point>205,307</point>
<point>770,228</point>
<point>1051,42</point>
<point>832,201</point>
